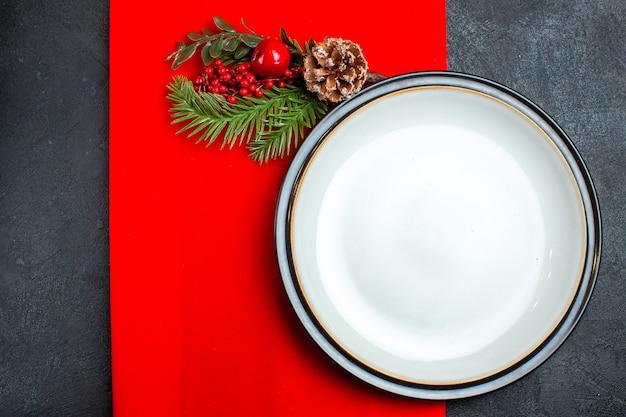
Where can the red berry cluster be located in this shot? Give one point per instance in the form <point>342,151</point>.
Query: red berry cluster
<point>230,81</point>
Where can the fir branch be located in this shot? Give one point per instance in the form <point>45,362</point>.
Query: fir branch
<point>270,125</point>
<point>288,127</point>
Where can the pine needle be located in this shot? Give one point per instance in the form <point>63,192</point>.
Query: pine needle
<point>271,126</point>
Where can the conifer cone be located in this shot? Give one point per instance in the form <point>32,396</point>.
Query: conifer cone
<point>335,69</point>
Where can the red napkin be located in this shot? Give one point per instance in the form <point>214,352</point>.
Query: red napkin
<point>200,323</point>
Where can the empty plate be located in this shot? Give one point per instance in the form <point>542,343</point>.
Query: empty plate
<point>438,235</point>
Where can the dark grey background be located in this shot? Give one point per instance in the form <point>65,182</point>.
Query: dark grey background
<point>567,56</point>
<point>54,271</point>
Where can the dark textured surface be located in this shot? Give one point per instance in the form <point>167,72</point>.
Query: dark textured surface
<point>569,58</point>
<point>54,275</point>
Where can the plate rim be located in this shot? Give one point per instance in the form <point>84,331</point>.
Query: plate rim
<point>566,149</point>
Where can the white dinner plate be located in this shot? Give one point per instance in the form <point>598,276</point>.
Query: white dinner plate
<point>438,235</point>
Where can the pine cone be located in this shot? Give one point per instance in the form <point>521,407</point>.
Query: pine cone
<point>335,69</point>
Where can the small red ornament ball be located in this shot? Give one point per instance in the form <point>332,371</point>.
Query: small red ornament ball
<point>270,58</point>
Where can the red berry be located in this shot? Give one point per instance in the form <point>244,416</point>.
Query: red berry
<point>218,63</point>
<point>281,84</point>
<point>269,84</point>
<point>270,58</point>
<point>244,91</point>
<point>231,99</point>
<point>258,93</point>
